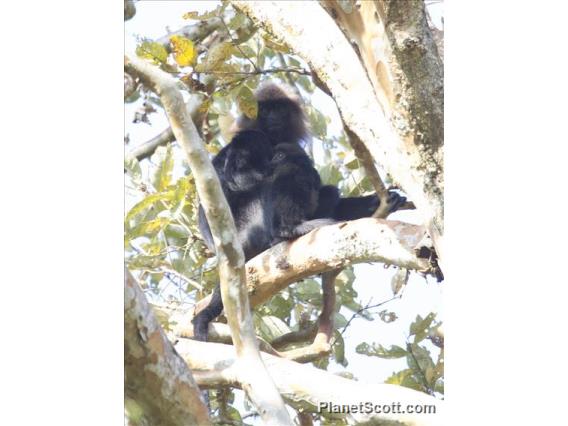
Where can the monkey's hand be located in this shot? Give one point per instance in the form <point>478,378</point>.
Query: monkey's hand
<point>395,201</point>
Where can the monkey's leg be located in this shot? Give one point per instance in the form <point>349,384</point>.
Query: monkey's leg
<point>209,313</point>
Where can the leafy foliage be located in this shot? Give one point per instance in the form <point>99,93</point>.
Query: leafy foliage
<point>162,243</point>
<point>423,373</point>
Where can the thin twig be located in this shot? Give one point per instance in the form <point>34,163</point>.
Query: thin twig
<point>236,44</point>
<point>364,309</point>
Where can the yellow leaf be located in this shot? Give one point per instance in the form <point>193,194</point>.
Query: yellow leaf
<point>184,50</point>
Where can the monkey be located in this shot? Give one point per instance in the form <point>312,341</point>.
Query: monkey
<point>295,187</point>
<point>243,167</point>
<point>278,181</point>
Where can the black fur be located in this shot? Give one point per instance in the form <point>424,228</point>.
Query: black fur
<point>296,187</point>
<point>244,169</point>
<point>272,188</point>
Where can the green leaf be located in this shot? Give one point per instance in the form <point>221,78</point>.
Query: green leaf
<point>387,316</point>
<point>339,349</point>
<point>280,306</point>
<point>247,102</point>
<point>419,328</point>
<point>309,290</point>
<point>163,174</point>
<point>419,359</point>
<point>238,21</point>
<point>318,122</point>
<point>184,50</point>
<point>146,203</point>
<point>398,378</point>
<point>179,197</point>
<point>405,378</point>
<point>351,161</point>
<point>152,50</point>
<point>215,57</point>
<point>275,45</point>
<point>146,262</point>
<point>147,229</point>
<point>244,51</point>
<point>339,320</point>
<point>226,124</point>
<point>272,327</point>
<point>380,351</point>
<point>330,174</point>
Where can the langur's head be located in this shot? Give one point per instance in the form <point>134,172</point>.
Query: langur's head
<point>280,115</point>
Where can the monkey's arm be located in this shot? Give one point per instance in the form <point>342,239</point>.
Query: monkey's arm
<point>351,208</point>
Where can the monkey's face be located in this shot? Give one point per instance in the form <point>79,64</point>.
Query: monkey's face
<point>248,163</point>
<point>282,120</point>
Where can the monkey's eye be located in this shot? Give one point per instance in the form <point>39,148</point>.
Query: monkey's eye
<point>279,156</point>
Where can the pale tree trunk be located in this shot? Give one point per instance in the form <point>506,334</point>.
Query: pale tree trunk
<point>391,97</point>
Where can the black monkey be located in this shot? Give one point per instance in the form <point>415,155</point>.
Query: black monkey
<point>282,118</point>
<point>244,169</point>
<point>293,193</point>
<point>296,188</point>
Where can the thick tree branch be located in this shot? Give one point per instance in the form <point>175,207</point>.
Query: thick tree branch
<point>332,247</point>
<point>258,385</point>
<point>155,375</point>
<point>306,387</point>
<point>409,152</point>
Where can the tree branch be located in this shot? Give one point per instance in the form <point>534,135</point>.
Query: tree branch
<point>257,383</point>
<point>166,136</point>
<point>156,377</point>
<point>307,387</point>
<point>328,248</point>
